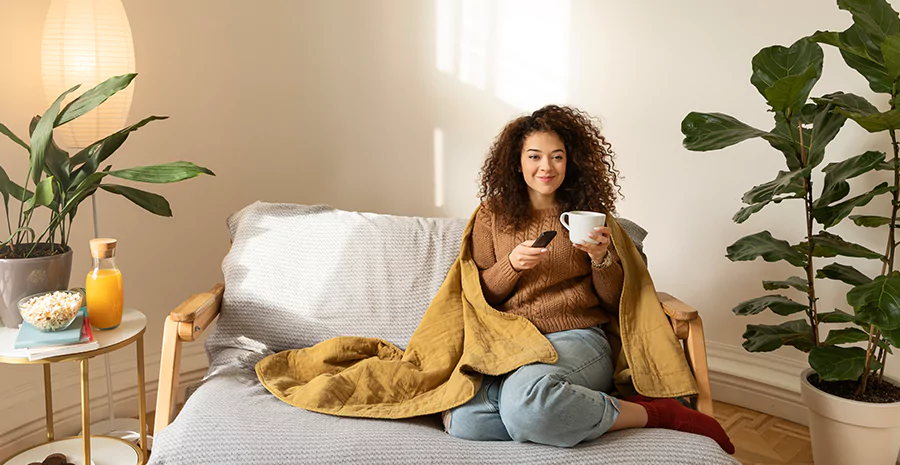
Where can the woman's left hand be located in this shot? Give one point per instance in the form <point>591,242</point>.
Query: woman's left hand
<point>596,251</point>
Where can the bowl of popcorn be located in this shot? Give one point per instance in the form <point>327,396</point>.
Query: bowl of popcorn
<point>51,311</point>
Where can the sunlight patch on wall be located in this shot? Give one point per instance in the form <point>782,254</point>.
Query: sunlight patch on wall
<point>532,52</point>
<point>518,50</point>
<point>473,43</point>
<point>445,31</point>
<point>438,167</point>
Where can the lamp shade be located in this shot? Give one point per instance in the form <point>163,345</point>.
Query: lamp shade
<point>86,42</point>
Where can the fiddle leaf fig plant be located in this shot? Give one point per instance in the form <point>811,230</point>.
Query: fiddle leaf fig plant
<point>802,129</point>
<point>59,182</point>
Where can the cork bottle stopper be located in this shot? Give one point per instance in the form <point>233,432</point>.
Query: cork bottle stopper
<point>103,247</point>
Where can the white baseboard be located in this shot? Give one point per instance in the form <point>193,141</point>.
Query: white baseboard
<point>763,382</point>
<point>67,415</point>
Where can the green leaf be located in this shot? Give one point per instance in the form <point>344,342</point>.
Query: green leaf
<point>4,189</point>
<point>164,173</point>
<point>878,302</point>
<point>56,160</point>
<point>875,17</point>
<point>843,273</point>
<point>864,113</point>
<point>151,202</point>
<point>86,153</point>
<point>18,192</point>
<point>763,245</point>
<point>785,76</point>
<point>861,53</point>
<point>714,131</point>
<point>86,187</point>
<point>766,338</point>
<point>837,316</point>
<point>832,215</point>
<point>837,174</point>
<point>828,245</point>
<point>786,138</point>
<point>826,124</point>
<point>777,303</point>
<point>890,49</point>
<point>839,363</point>
<point>796,282</point>
<point>788,184</point>
<point>869,221</point>
<point>876,122</point>
<point>845,336</point>
<point>92,98</point>
<point>849,102</point>
<point>890,165</point>
<point>744,213</point>
<point>43,195</point>
<point>43,132</point>
<point>788,95</point>
<point>92,156</point>
<point>6,132</point>
<point>76,195</point>
<point>892,336</point>
<point>16,232</point>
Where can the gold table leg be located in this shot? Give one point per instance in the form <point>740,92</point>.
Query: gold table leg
<point>48,401</point>
<point>86,410</point>
<point>142,396</point>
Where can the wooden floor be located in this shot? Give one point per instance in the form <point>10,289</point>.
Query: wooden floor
<point>760,439</point>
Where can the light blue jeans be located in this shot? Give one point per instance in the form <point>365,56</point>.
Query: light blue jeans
<point>559,405</point>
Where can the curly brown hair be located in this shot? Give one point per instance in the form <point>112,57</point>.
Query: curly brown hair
<point>591,180</point>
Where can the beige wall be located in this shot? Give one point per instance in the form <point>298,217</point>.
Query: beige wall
<point>339,102</point>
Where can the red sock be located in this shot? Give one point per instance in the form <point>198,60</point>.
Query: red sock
<point>670,414</point>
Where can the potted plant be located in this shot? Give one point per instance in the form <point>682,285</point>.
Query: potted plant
<point>854,410</point>
<point>38,258</point>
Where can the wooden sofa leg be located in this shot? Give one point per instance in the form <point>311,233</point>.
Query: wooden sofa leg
<point>169,370</point>
<point>695,348</point>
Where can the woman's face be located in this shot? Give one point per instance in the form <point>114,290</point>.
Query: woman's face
<point>543,166</point>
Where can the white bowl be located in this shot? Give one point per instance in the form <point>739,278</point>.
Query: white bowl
<point>51,310</point>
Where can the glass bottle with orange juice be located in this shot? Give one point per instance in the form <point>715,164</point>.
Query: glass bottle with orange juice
<point>104,286</point>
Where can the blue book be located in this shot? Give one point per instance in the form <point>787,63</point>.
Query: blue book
<point>29,336</point>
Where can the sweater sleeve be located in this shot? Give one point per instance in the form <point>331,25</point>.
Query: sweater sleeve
<point>608,283</point>
<point>498,278</point>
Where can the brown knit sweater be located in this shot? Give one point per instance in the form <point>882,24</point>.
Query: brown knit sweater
<point>562,292</point>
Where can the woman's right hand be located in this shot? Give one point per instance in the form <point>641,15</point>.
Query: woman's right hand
<point>525,257</point>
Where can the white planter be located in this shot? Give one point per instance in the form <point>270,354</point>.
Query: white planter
<point>846,432</point>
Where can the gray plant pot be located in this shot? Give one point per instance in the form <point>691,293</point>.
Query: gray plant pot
<point>20,277</point>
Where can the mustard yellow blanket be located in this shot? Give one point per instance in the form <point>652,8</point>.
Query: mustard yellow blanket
<point>460,338</point>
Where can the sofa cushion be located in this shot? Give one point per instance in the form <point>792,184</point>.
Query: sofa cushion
<point>297,275</point>
<point>233,419</point>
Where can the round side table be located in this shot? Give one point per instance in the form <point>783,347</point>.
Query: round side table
<point>104,449</point>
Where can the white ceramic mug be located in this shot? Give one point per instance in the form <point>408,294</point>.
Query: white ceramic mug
<point>580,224</point>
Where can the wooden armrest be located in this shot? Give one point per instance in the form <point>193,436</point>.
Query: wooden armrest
<point>184,324</point>
<point>688,326</point>
<point>197,312</point>
<point>676,309</point>
<point>679,312</point>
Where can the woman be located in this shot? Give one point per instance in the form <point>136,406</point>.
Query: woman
<point>541,165</point>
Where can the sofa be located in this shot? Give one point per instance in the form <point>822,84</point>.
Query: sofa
<point>297,275</point>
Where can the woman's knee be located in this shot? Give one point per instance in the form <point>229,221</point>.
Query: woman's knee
<point>527,416</point>
<point>473,424</point>
<point>460,423</point>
